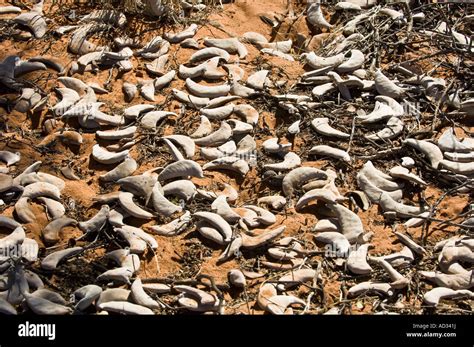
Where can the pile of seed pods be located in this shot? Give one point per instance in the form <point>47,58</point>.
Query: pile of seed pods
<point>177,144</point>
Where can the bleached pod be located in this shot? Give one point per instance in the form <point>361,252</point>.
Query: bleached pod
<point>258,80</point>
<point>158,66</point>
<point>448,142</point>
<point>9,9</point>
<point>327,151</point>
<point>457,281</point>
<point>315,16</point>
<point>404,211</point>
<point>207,91</point>
<point>189,32</point>
<point>231,45</point>
<point>185,142</point>
<point>403,173</point>
<point>51,261</point>
<point>133,112</point>
<point>151,119</point>
<point>103,156</point>
<point>400,259</point>
<point>140,297</point>
<point>357,261</point>
<point>272,146</point>
<point>317,62</point>
<point>228,163</point>
<point>42,306</point>
<point>398,281</point>
<point>51,232</point>
<point>369,288</point>
<point>430,150</point>
<point>34,21</point>
<point>380,112</point>
<point>263,238</point>
<point>282,46</point>
<point>124,307</point>
<point>79,44</point>
<point>254,37</point>
<point>124,169</point>
<point>387,87</point>
<point>210,52</point>
<point>321,126</point>
<point>263,216</point>
<point>182,168</point>
<point>140,185</point>
<point>337,241</point>
<point>290,161</point>
<point>296,278</point>
<point>239,90</point>
<point>147,89</point>
<point>222,208</point>
<point>165,80</point>
<point>204,128</point>
<point>355,61</point>
<point>54,209</point>
<point>12,240</point>
<point>461,168</point>
<point>97,222</point>
<point>380,179</point>
<point>129,206</point>
<point>174,227</point>
<point>433,296</point>
<point>86,296</point>
<point>297,177</point>
<point>350,224</point>
<point>190,100</point>
<point>317,194</point>
<point>120,275</point>
<point>218,113</point>
<point>393,129</point>
<point>247,112</point>
<point>162,205</point>
<point>216,138</point>
<point>28,99</point>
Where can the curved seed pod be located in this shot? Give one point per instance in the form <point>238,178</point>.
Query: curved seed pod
<point>240,127</point>
<point>174,227</point>
<point>120,274</point>
<point>228,163</point>
<point>204,129</point>
<point>15,238</point>
<point>158,66</point>
<point>323,150</point>
<point>207,53</point>
<point>216,138</point>
<point>277,54</point>
<point>253,37</point>
<point>295,278</point>
<point>34,177</point>
<point>124,307</point>
<point>324,195</point>
<point>70,137</point>
<point>86,296</point>
<point>315,16</point>
<point>373,192</point>
<point>218,113</point>
<point>357,261</point>
<point>162,205</point>
<point>231,45</point>
<point>97,222</point>
<point>183,35</point>
<point>222,208</point>
<point>139,296</point>
<point>321,126</point>
<point>182,168</point>
<point>411,244</point>
<point>51,231</point>
<point>29,252</point>
<point>79,44</point>
<point>380,112</point>
<point>279,304</point>
<point>134,111</point>
<point>113,294</point>
<point>185,142</point>
<point>298,176</point>
<point>184,189</point>
<point>265,293</point>
<point>38,189</point>
<point>236,89</point>
<point>290,161</point>
<point>258,80</point>
<point>28,66</point>
<point>282,46</point>
<point>398,259</point>
<point>453,281</point>
<point>338,242</point>
<point>103,156</point>
<point>208,231</point>
<point>460,157</point>
<point>216,221</point>
<point>42,306</point>
<point>50,296</point>
<point>458,167</point>
<point>263,216</point>
<point>355,61</point>
<point>23,211</point>
<point>201,296</point>
<point>405,211</point>
<point>28,100</point>
<point>350,224</point>
<point>276,202</point>
<point>378,178</point>
<point>140,185</point>
<point>151,119</point>
<point>387,87</point>
<point>394,129</point>
<point>247,112</point>
<point>147,89</point>
<point>232,249</point>
<point>221,101</point>
<point>399,281</point>
<point>5,307</point>
<point>452,254</point>
<point>117,134</point>
<point>235,72</point>
<point>403,173</point>
<point>207,91</point>
<point>317,62</point>
<point>370,287</point>
<point>394,105</point>
<point>9,9</point>
<point>125,259</point>
<point>237,278</point>
<point>116,216</point>
<point>51,261</point>
<point>34,21</point>
<point>250,242</point>
<point>190,100</point>
<point>129,91</point>
<point>129,206</point>
<point>433,296</point>
<point>272,146</point>
<point>10,158</point>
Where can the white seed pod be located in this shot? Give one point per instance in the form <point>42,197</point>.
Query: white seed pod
<point>34,21</point>
<point>51,261</point>
<point>129,206</point>
<point>182,168</point>
<point>433,296</point>
<point>282,46</point>
<point>231,45</point>
<point>387,87</point>
<point>190,100</point>
<point>97,222</point>
<point>321,126</point>
<point>204,129</point>
<point>103,156</point>
<point>124,169</point>
<point>252,242</point>
<point>216,138</point>
<point>324,150</point>
<point>174,227</point>
<point>430,150</point>
<point>183,35</point>
<point>370,287</point>
<point>237,278</point>
<point>393,129</point>
<point>315,16</point>
<point>51,231</point>
<point>210,52</point>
